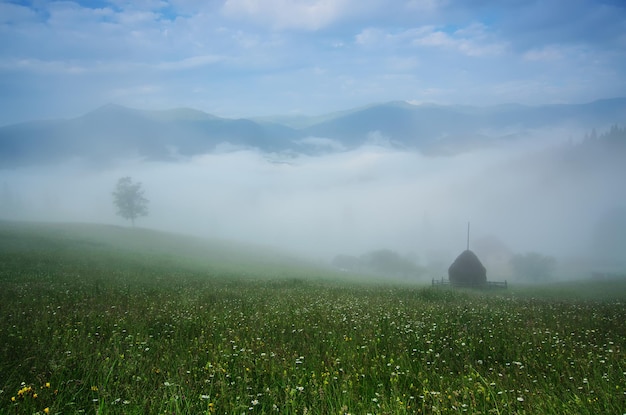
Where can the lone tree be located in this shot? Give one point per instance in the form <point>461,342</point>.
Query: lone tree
<point>128,197</point>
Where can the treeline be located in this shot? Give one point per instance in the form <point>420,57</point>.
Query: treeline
<point>610,143</point>
<point>605,148</point>
<point>615,137</point>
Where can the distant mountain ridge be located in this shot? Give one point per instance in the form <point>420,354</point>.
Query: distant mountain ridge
<point>113,131</point>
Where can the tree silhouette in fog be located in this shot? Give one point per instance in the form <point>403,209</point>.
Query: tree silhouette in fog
<point>129,199</point>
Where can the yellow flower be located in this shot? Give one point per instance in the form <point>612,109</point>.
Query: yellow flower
<point>12,398</point>
<point>46,410</point>
<point>35,396</point>
<point>94,388</point>
<point>24,391</point>
<point>47,385</point>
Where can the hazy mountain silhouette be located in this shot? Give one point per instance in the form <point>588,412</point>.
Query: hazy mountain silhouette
<point>452,129</point>
<point>114,131</point>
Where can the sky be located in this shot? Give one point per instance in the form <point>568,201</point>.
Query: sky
<point>243,58</point>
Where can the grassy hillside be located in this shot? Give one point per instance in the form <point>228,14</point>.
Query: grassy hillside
<point>113,320</point>
<point>103,248</point>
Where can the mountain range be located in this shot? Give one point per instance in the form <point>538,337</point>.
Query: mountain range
<point>114,132</point>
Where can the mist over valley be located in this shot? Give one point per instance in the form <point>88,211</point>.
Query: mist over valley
<point>399,177</point>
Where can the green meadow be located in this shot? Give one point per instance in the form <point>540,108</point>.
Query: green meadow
<point>110,320</point>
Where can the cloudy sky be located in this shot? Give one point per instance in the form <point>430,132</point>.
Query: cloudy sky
<point>238,58</point>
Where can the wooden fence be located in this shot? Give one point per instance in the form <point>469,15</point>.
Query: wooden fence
<point>485,285</point>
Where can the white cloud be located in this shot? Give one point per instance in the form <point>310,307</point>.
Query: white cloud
<point>374,36</point>
<point>425,5</point>
<point>291,14</point>
<point>70,16</point>
<point>402,63</point>
<point>435,38</point>
<point>546,53</point>
<point>14,13</point>
<point>136,17</point>
<point>191,62</point>
<point>154,5</point>
<point>370,36</point>
<point>472,40</point>
<point>42,66</point>
<point>72,67</point>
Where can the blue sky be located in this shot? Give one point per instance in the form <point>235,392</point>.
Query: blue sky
<point>239,58</point>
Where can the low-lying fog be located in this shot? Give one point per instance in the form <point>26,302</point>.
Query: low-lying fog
<point>518,194</point>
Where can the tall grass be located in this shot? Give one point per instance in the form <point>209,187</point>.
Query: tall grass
<point>90,327</point>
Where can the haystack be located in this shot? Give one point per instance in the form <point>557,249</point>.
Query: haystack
<point>467,270</point>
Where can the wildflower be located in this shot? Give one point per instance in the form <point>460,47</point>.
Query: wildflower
<point>94,388</point>
<point>47,385</point>
<point>46,410</point>
<point>25,390</point>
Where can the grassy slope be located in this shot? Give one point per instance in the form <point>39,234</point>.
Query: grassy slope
<point>112,247</point>
<point>133,321</point>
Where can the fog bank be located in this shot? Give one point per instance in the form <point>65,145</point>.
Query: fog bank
<point>344,202</point>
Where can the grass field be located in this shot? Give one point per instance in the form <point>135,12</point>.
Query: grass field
<point>109,320</point>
